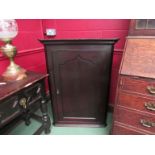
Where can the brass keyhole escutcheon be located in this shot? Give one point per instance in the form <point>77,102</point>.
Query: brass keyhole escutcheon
<point>23,102</point>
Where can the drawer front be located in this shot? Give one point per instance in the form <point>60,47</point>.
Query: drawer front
<point>131,118</point>
<point>136,102</point>
<point>122,130</point>
<point>142,86</point>
<point>13,106</point>
<point>9,109</point>
<point>33,93</point>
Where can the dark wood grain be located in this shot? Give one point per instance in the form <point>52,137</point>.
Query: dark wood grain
<point>20,99</point>
<point>9,88</point>
<point>79,79</point>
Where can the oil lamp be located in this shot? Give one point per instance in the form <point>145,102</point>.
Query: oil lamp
<point>9,30</point>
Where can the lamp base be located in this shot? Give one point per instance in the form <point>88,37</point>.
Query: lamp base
<point>14,73</point>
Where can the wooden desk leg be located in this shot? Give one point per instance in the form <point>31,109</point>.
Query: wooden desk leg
<point>26,117</point>
<point>45,117</point>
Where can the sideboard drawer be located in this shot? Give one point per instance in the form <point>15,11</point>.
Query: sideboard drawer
<point>138,85</point>
<point>15,105</point>
<point>9,109</point>
<point>136,102</point>
<point>20,99</point>
<point>131,118</point>
<point>33,93</point>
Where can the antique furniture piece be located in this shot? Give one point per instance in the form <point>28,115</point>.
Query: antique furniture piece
<point>79,79</point>
<point>142,27</point>
<point>134,111</point>
<point>9,30</point>
<point>22,98</point>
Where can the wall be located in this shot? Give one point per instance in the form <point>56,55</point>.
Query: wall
<point>94,28</point>
<point>31,52</point>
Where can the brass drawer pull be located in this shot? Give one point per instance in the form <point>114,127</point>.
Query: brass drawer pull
<point>147,123</point>
<point>23,102</point>
<point>151,89</point>
<point>150,106</point>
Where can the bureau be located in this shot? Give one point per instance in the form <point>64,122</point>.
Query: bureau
<point>134,111</point>
<point>21,98</point>
<point>79,78</point>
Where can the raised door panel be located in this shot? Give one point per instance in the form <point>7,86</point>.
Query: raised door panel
<point>81,81</point>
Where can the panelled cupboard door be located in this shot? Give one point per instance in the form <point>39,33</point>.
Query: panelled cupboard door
<point>80,75</point>
<point>80,84</point>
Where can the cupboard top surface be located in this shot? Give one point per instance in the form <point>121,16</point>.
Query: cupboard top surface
<point>139,57</point>
<point>79,41</point>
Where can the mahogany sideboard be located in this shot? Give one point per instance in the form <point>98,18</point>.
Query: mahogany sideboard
<point>79,75</point>
<point>20,99</point>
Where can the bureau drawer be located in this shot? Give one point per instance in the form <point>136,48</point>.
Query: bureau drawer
<point>138,85</point>
<point>136,102</point>
<point>131,118</point>
<point>9,109</point>
<point>122,130</point>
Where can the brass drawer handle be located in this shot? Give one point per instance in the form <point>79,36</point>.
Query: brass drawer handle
<point>147,123</point>
<point>150,106</point>
<point>22,102</point>
<point>151,89</point>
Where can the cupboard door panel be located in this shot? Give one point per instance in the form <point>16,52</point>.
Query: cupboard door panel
<point>81,84</point>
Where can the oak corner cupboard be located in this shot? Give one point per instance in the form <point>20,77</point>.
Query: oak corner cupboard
<point>79,79</point>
